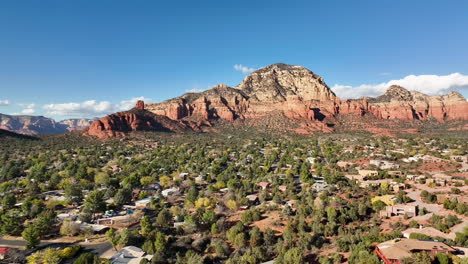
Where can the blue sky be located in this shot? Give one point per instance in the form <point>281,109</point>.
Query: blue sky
<point>56,55</point>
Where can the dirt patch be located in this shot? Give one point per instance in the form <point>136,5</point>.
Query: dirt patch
<point>273,220</point>
<point>437,166</point>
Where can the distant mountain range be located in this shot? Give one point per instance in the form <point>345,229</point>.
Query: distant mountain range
<point>8,134</point>
<point>34,125</point>
<point>287,98</point>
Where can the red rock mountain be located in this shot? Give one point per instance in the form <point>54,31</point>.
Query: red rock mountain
<point>286,97</point>
<point>138,119</point>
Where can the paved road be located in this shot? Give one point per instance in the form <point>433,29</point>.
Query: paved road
<point>98,248</point>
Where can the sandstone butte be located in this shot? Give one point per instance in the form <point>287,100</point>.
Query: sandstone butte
<point>280,91</point>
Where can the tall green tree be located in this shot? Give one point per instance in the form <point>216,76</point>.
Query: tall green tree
<point>94,202</point>
<point>31,235</point>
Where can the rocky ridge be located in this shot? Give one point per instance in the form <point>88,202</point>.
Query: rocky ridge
<point>286,92</point>
<point>138,119</point>
<point>300,94</point>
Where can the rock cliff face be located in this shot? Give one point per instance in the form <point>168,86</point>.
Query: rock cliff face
<point>293,90</point>
<point>282,97</point>
<point>399,103</point>
<point>138,119</point>
<point>34,125</point>
<point>297,93</point>
<point>75,124</point>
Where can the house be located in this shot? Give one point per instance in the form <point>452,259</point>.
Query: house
<point>395,173</point>
<point>253,198</point>
<point>320,187</point>
<point>169,191</point>
<point>343,164</point>
<point>440,179</point>
<point>368,173</point>
<point>415,178</point>
<point>264,185</point>
<point>66,216</point>
<point>97,229</point>
<point>411,159</point>
<point>428,231</point>
<point>365,184</point>
<point>448,196</point>
<point>143,203</point>
<point>283,188</point>
<point>399,209</point>
<point>459,158</point>
<point>199,179</point>
<point>395,251</point>
<point>129,255</point>
<point>355,177</point>
<point>384,165</point>
<point>54,195</point>
<point>182,176</point>
<point>121,220</point>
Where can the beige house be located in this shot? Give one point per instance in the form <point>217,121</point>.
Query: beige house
<point>399,209</point>
<point>368,173</point>
<point>394,251</point>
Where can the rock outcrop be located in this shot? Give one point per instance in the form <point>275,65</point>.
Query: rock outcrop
<point>122,123</point>
<point>284,92</point>
<point>297,93</point>
<point>399,103</point>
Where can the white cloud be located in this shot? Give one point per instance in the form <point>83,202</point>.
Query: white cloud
<point>91,108</point>
<point>129,104</point>
<point>27,105</point>
<point>4,102</point>
<point>427,84</point>
<point>243,69</point>
<point>28,111</point>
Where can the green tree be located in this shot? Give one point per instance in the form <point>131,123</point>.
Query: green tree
<point>442,258</point>
<point>8,201</point>
<point>146,226</point>
<point>31,235</point>
<point>94,202</point>
<point>123,196</point>
<point>164,218</point>
<point>87,258</point>
<point>160,242</point>
<point>11,223</point>
<point>293,256</point>
<point>255,237</point>
<point>44,222</point>
<point>113,237</point>
<point>125,237</point>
